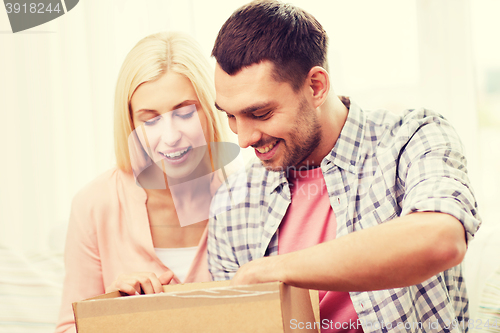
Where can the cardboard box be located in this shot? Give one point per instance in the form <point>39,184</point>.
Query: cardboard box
<point>201,307</point>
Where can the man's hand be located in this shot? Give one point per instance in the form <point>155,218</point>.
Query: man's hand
<point>267,269</point>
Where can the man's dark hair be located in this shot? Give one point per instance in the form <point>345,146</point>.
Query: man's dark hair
<point>292,39</point>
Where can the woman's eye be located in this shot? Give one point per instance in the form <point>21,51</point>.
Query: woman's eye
<point>153,121</point>
<point>186,115</point>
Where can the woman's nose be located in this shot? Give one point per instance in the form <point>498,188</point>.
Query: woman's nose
<point>170,134</point>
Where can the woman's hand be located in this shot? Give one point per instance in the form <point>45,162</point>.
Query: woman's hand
<point>140,283</point>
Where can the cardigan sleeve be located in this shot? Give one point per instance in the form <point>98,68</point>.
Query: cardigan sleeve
<point>82,260</point>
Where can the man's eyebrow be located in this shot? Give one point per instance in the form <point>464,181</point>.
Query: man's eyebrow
<point>249,109</point>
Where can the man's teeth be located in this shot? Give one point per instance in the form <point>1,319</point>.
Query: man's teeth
<point>266,149</point>
<point>176,154</point>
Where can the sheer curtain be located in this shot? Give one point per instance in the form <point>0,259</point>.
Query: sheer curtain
<point>447,77</point>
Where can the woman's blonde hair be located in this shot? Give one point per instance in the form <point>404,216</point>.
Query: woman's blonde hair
<point>150,58</point>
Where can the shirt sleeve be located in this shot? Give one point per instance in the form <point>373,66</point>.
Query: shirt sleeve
<point>433,170</point>
<point>82,263</point>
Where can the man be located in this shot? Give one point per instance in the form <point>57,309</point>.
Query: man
<point>373,209</point>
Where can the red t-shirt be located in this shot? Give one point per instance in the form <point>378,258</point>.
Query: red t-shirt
<point>310,220</point>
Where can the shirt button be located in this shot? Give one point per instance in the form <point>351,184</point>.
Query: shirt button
<point>352,168</point>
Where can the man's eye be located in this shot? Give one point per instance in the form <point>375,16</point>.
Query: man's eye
<point>262,116</point>
<point>230,116</point>
<point>152,122</point>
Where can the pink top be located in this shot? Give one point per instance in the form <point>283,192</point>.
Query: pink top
<point>109,234</point>
<point>310,220</point>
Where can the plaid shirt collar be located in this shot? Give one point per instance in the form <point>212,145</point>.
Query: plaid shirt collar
<point>346,152</point>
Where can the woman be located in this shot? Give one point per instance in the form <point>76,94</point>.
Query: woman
<point>125,231</point>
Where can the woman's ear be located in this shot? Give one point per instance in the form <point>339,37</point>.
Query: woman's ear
<point>319,85</point>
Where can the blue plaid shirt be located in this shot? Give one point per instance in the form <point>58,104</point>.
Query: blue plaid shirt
<point>382,166</point>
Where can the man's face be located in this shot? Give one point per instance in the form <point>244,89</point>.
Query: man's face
<point>280,124</point>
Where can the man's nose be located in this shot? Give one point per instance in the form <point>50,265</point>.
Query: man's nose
<point>248,133</point>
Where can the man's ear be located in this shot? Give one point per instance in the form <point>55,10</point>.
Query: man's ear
<point>319,85</point>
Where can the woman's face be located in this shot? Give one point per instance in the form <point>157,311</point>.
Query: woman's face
<point>170,124</point>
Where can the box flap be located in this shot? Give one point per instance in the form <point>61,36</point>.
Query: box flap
<point>209,307</point>
<point>297,310</point>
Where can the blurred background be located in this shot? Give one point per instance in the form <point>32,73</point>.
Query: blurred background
<point>56,95</point>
